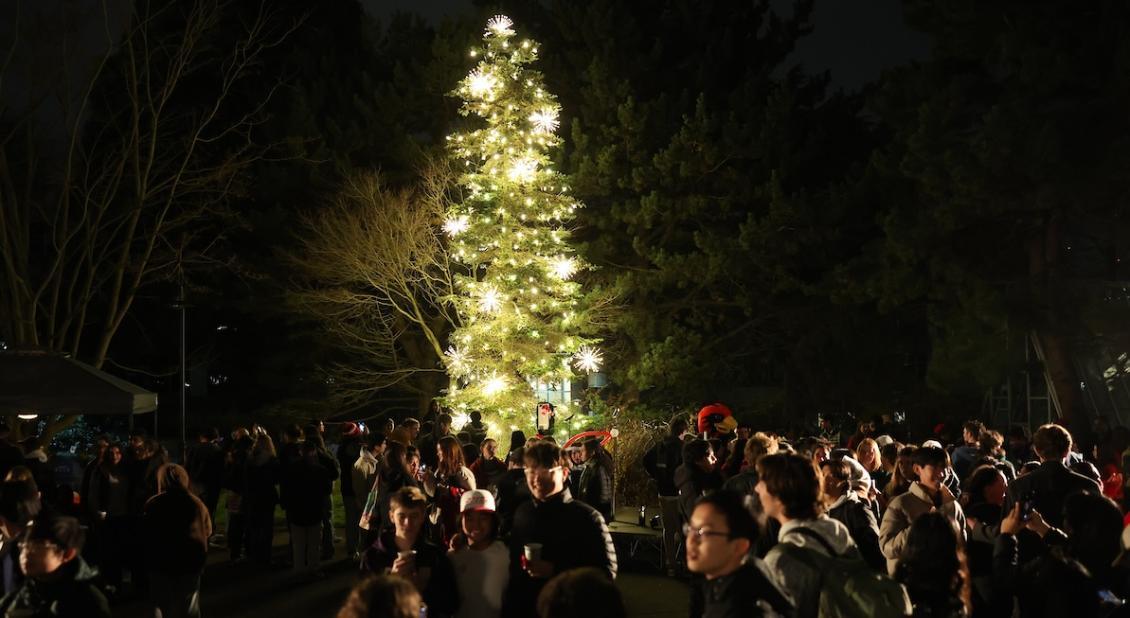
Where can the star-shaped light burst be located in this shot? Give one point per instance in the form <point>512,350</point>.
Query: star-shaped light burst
<point>564,267</point>
<point>544,120</point>
<point>481,84</point>
<point>494,385</point>
<point>588,359</point>
<point>490,301</point>
<point>457,361</point>
<point>500,25</point>
<point>523,169</point>
<point>456,225</point>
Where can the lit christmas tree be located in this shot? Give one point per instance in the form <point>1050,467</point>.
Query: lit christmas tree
<point>522,319</point>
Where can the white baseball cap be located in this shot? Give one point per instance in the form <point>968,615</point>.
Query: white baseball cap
<point>476,500</point>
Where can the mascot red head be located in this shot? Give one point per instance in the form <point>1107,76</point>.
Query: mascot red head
<point>716,420</point>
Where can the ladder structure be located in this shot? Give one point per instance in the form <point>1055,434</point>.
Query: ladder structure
<point>1026,398</point>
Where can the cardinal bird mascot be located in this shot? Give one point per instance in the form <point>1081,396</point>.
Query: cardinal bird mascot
<point>715,420</point>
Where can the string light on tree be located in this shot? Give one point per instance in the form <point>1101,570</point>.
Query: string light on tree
<point>457,361</point>
<point>544,120</point>
<point>482,84</point>
<point>500,25</point>
<point>521,309</point>
<point>523,170</point>
<point>456,226</point>
<point>564,268</point>
<point>588,359</point>
<point>490,301</point>
<point>494,385</point>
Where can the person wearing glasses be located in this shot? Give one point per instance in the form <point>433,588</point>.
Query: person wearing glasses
<point>719,538</point>
<point>552,533</point>
<point>59,582</point>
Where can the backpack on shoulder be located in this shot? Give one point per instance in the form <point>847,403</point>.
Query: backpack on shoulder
<point>849,588</point>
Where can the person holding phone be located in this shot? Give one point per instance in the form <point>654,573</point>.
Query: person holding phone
<point>1049,485</point>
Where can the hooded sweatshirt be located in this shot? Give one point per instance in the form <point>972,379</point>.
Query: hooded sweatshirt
<point>799,581</point>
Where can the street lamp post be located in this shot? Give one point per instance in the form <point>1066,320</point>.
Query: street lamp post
<point>183,307</point>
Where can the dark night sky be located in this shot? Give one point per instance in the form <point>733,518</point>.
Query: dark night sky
<point>855,39</point>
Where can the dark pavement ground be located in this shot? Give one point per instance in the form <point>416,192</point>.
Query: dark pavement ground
<point>246,590</point>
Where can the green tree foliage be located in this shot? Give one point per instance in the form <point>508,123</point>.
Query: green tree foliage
<point>713,174</point>
<point>1002,189</point>
<point>522,316</point>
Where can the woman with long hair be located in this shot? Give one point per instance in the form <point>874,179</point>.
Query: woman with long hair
<point>108,508</point>
<point>446,484</point>
<point>868,455</point>
<point>933,569</point>
<point>393,473</point>
<point>517,441</point>
<point>904,472</point>
<point>596,486</point>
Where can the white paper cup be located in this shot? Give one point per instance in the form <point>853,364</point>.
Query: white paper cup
<point>532,551</point>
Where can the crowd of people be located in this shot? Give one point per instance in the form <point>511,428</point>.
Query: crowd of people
<point>473,532</point>
<point>868,525</point>
<point>446,523</point>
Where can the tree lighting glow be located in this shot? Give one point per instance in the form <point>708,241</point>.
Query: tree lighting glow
<point>500,25</point>
<point>523,170</point>
<point>456,361</point>
<point>456,226</point>
<point>482,84</point>
<point>490,301</point>
<point>493,386</point>
<point>564,268</point>
<point>544,120</point>
<point>514,269</point>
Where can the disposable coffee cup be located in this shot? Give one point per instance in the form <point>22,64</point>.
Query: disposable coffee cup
<point>532,551</point>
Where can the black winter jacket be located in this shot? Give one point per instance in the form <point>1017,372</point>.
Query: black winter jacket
<point>70,594</point>
<point>1048,486</point>
<point>595,488</point>
<point>662,461</point>
<point>744,593</point>
<point>441,594</point>
<point>693,482</point>
<point>572,534</point>
<point>857,515</point>
<point>310,486</point>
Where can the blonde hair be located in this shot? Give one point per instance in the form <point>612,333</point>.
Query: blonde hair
<point>873,446</point>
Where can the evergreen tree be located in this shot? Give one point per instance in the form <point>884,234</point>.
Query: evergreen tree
<point>522,315</point>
